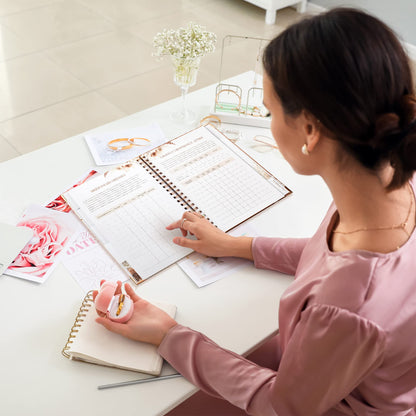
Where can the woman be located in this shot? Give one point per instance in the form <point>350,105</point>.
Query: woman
<point>339,90</point>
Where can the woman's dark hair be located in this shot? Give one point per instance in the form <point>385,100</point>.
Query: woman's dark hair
<point>350,71</point>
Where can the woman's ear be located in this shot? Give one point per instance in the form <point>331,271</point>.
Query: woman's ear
<point>312,131</point>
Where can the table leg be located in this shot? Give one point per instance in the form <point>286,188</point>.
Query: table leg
<point>301,6</point>
<point>270,16</point>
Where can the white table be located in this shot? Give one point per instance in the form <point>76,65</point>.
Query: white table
<point>238,312</point>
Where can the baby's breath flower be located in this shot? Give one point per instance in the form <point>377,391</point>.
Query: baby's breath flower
<point>189,42</point>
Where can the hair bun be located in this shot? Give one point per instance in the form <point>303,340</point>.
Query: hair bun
<point>386,133</point>
<point>408,109</point>
<point>391,128</point>
<point>403,156</point>
<point>394,139</point>
<point>407,146</point>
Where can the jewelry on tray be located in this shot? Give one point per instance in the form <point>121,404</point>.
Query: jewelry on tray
<point>217,103</point>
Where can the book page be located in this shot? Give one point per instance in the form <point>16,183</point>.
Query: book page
<point>218,177</point>
<point>127,210</point>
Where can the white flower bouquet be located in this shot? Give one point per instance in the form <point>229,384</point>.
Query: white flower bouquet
<point>185,43</point>
<point>186,46</point>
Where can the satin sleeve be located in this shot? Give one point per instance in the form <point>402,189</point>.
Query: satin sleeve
<point>281,254</point>
<point>330,352</point>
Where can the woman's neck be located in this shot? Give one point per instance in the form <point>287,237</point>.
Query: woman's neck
<point>370,217</point>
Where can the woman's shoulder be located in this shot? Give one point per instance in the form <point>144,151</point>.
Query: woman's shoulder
<point>345,280</point>
<point>363,282</point>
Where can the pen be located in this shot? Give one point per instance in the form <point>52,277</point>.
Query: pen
<point>142,380</point>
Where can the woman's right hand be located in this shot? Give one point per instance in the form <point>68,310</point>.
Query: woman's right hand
<point>210,240</point>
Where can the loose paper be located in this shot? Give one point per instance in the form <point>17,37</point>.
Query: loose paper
<point>103,155</point>
<point>204,270</point>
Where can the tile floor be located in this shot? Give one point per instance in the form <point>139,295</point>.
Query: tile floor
<point>67,66</point>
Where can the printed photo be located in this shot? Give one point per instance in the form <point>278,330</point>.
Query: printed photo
<point>52,231</point>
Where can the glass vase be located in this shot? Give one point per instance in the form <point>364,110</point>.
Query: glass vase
<point>185,73</point>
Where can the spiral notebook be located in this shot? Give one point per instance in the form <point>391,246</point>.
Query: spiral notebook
<point>127,208</point>
<point>90,342</point>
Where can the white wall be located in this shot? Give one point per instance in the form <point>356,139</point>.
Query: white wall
<point>398,14</point>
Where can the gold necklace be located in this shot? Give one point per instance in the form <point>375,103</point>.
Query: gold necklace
<point>401,226</point>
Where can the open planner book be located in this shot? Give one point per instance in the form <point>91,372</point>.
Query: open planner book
<point>127,208</point>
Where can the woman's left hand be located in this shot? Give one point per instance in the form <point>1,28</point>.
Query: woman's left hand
<point>148,323</point>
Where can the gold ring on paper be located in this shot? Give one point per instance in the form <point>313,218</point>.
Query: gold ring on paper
<point>133,141</point>
<point>129,145</point>
<point>238,107</point>
<point>130,142</point>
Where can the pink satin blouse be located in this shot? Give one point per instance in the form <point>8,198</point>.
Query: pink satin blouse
<point>347,335</point>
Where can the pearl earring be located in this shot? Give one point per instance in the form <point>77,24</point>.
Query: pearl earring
<point>305,150</point>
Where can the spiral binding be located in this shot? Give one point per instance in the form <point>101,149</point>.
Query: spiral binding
<point>86,304</point>
<point>163,180</point>
<point>179,196</point>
